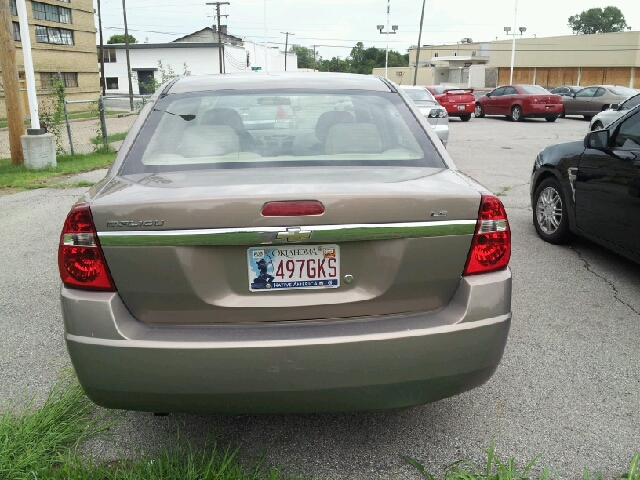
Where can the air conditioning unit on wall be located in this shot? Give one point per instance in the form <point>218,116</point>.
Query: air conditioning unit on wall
<point>399,74</point>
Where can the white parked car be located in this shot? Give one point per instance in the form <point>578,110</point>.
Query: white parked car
<point>606,117</point>
<point>427,104</point>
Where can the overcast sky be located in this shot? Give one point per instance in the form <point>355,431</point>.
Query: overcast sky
<point>339,24</point>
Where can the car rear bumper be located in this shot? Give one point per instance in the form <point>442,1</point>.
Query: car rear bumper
<point>454,111</point>
<point>442,131</point>
<point>341,365</point>
<point>544,111</point>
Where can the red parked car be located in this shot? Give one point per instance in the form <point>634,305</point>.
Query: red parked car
<point>520,101</point>
<point>459,102</point>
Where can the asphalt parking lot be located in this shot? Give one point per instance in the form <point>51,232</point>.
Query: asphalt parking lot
<point>568,387</point>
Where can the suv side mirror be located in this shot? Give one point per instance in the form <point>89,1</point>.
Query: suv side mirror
<point>598,139</point>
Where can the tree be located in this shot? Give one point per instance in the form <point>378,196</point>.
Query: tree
<point>305,56</point>
<point>121,39</point>
<point>597,20</point>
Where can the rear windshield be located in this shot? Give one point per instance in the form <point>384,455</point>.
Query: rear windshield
<point>236,129</point>
<point>534,90</point>
<point>419,94</point>
<point>622,91</point>
<point>439,89</point>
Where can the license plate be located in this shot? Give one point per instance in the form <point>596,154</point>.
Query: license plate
<point>460,107</point>
<point>297,267</point>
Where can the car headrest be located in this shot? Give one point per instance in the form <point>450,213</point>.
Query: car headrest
<point>355,138</point>
<point>329,119</point>
<point>209,141</point>
<point>223,116</point>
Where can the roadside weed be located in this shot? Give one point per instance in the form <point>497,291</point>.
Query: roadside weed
<point>495,469</point>
<point>33,440</point>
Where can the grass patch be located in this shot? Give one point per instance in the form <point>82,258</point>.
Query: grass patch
<point>496,469</point>
<point>114,137</point>
<point>17,177</point>
<point>42,443</point>
<point>503,191</point>
<point>72,116</point>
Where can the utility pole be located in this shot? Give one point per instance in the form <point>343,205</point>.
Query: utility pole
<point>286,46</point>
<point>415,74</point>
<point>102,80</point>
<point>217,4</point>
<point>11,86</point>
<point>126,43</point>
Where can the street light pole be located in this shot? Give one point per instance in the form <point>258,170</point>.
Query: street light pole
<point>393,28</point>
<point>513,43</point>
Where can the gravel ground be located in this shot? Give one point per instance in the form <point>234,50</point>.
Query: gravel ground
<point>568,387</point>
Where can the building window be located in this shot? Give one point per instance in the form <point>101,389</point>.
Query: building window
<point>12,7</point>
<point>436,54</point>
<point>16,32</point>
<point>48,78</point>
<point>112,83</point>
<point>52,13</point>
<point>57,36</point>
<point>108,55</point>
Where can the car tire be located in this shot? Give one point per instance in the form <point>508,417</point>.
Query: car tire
<point>551,119</point>
<point>562,115</point>
<point>478,112</point>
<point>516,114</point>
<point>550,212</point>
<point>465,118</point>
<point>588,117</point>
<point>597,125</point>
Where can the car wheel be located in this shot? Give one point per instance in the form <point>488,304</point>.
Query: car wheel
<point>562,115</point>
<point>597,126</point>
<point>516,113</point>
<point>551,119</point>
<point>465,118</point>
<point>550,212</point>
<point>587,117</point>
<point>478,111</point>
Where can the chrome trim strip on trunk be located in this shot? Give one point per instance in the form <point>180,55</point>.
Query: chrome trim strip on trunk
<point>267,235</point>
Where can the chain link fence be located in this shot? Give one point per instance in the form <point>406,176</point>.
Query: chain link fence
<point>81,129</point>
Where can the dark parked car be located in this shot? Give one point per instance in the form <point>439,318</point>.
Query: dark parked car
<point>517,102</point>
<point>592,188</point>
<point>566,90</point>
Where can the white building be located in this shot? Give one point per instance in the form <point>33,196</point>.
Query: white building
<point>191,55</point>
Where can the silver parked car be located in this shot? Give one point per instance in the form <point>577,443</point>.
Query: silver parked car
<point>606,117</point>
<point>592,100</point>
<point>341,263</point>
<point>431,109</point>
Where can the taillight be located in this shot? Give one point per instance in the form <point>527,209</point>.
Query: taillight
<point>299,208</point>
<point>491,245</point>
<point>80,259</point>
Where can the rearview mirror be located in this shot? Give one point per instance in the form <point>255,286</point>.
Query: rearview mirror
<point>488,95</point>
<point>598,140</point>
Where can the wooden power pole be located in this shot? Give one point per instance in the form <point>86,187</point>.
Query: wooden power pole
<point>126,46</point>
<point>102,79</point>
<point>415,72</point>
<point>286,46</point>
<point>217,4</point>
<point>11,84</point>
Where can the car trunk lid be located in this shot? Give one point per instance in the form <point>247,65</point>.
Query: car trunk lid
<point>176,243</point>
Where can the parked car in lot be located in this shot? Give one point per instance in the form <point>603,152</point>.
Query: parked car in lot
<point>211,273</point>
<point>566,90</point>
<point>459,102</point>
<point>592,100</point>
<point>606,117</point>
<point>518,102</point>
<point>592,188</point>
<point>435,114</point>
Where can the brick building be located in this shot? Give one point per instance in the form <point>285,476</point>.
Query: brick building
<point>63,39</point>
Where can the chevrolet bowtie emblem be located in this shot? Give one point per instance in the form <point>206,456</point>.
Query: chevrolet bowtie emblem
<point>293,234</point>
